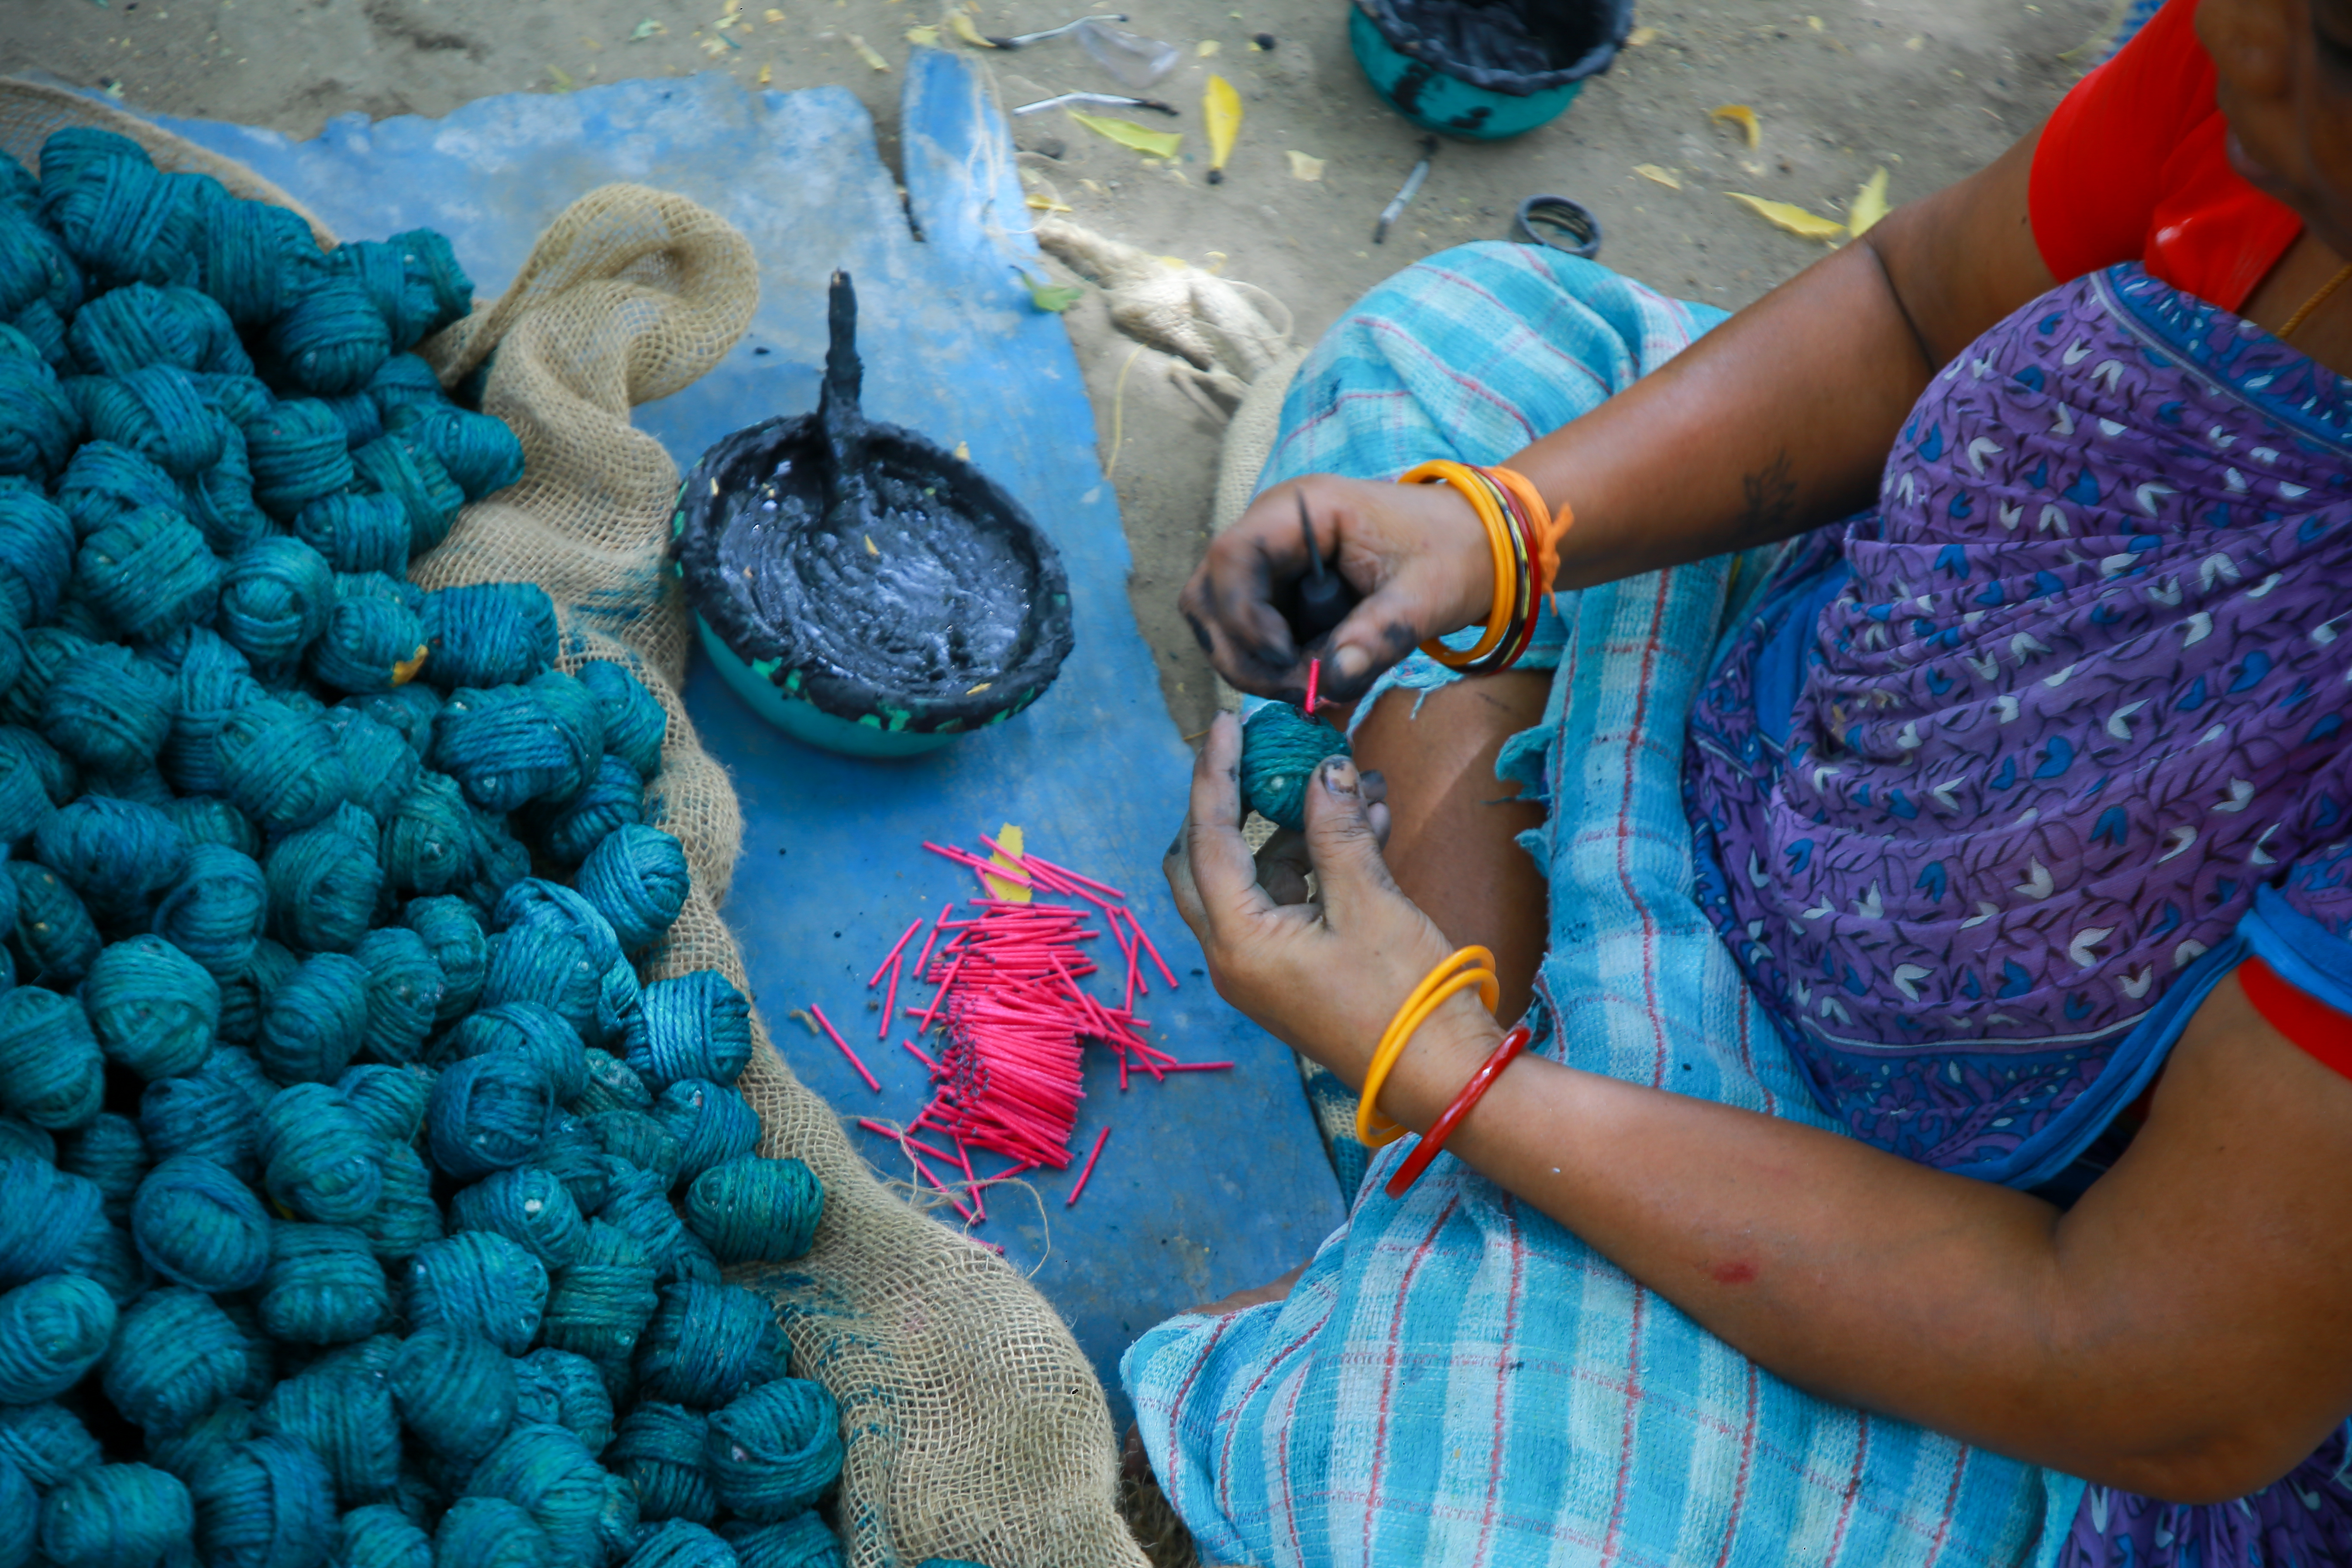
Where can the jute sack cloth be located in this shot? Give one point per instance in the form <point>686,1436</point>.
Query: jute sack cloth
<point>975,1427</point>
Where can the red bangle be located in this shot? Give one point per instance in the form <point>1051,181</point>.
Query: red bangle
<point>1472,1092</point>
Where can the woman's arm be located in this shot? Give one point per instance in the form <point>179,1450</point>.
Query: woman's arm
<point>1778,420</point>
<point>2185,1332</point>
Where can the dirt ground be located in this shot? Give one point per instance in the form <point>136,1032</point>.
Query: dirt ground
<point>1928,89</point>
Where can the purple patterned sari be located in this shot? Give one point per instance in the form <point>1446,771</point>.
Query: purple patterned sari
<point>1990,785</point>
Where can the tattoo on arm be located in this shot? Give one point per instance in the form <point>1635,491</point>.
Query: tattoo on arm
<point>1772,497</point>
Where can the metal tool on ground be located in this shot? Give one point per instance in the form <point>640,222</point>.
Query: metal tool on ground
<point>1023,41</point>
<point>1403,198</point>
<point>1109,100</point>
<point>1324,596</point>
<point>1558,223</point>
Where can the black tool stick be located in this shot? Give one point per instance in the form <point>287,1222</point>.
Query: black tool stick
<point>1324,596</point>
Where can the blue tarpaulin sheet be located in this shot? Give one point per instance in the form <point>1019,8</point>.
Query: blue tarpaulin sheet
<point>1210,1180</point>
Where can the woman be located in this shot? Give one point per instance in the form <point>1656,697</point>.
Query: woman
<point>1933,1150</point>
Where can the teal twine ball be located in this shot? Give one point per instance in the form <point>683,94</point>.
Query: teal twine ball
<point>569,1154</point>
<point>275,600</point>
<point>151,1006</point>
<point>697,1025</point>
<point>343,1414</point>
<point>331,338</point>
<point>357,532</point>
<point>403,991</point>
<point>479,452</point>
<point>412,474</point>
<point>104,1256</point>
<point>279,766</point>
<point>43,1211</point>
<point>213,916</point>
<point>34,266</point>
<point>252,257</point>
<point>506,746</point>
<point>388,1100</point>
<point>635,723</point>
<point>47,1442</point>
<point>641,1139</point>
<point>638,881</point>
<point>1281,749</point>
<point>51,1333</point>
<point>618,1522</point>
<point>713,1125</point>
<point>545,1471</point>
<point>489,1532</point>
<point>20,1517</point>
<point>219,500</point>
<point>775,1450</point>
<point>208,819</point>
<point>196,1224</point>
<point>489,634</point>
<point>753,1210</point>
<point>658,1449</point>
<point>637,1202</point>
<point>140,325</point>
<point>318,1158</point>
<point>157,412</point>
<point>806,1541</point>
<point>429,259</point>
<point>571,1390</point>
<point>298,453</point>
<point>106,482</point>
<point>51,1074</point>
<point>107,1151</point>
<point>38,422</point>
<point>383,767</point>
<point>612,1085</point>
<point>120,856</point>
<point>410,710</point>
<point>108,711</point>
<point>612,799</point>
<point>487,1114</point>
<point>480,1281</point>
<point>378,1535</point>
<point>405,381</point>
<point>324,1285</point>
<point>212,682</point>
<point>175,1355</point>
<point>373,640</point>
<point>202,1440</point>
<point>37,547</point>
<point>266,1503</point>
<point>407,306</point>
<point>118,1516</point>
<point>528,1206</point>
<point>312,1023</point>
<point>22,1139</point>
<point>554,948</point>
<point>533,1032</point>
<point>54,943</point>
<point>455,1389</point>
<point>47,651</point>
<point>120,218</point>
<point>681,1544</point>
<point>404,1220</point>
<point>214,1113</point>
<point>362,420</point>
<point>149,572</point>
<point>707,1343</point>
<point>598,1306</point>
<point>429,842</point>
<point>454,935</point>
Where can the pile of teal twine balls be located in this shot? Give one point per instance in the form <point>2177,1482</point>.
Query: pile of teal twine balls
<point>359,1204</point>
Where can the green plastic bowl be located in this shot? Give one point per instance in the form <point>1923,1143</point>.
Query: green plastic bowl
<point>805,721</point>
<point>1437,96</point>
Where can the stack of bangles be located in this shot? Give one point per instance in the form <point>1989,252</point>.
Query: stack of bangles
<point>1520,532</point>
<point>1464,969</point>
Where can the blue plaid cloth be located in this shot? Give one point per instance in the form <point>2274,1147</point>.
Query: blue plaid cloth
<point>1456,1379</point>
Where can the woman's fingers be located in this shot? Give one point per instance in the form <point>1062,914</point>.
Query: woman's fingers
<point>1282,867</point>
<point>1342,840</point>
<point>1223,876</point>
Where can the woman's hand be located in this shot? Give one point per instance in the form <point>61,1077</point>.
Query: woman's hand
<point>1325,978</point>
<point>1417,553</point>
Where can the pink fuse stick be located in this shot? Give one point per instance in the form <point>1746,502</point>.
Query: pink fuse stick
<point>835,1035</point>
<point>894,952</point>
<point>1100,1139</point>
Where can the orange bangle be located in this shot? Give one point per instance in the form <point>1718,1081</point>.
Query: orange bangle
<point>1463,478</point>
<point>1547,526</point>
<point>1472,1093</point>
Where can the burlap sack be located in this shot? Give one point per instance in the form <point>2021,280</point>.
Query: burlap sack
<point>975,1427</point>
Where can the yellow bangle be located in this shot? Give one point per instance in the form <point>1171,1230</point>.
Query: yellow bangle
<point>1498,542</point>
<point>1440,983</point>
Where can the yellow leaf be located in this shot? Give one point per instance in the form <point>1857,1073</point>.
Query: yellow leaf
<point>870,549</point>
<point>771,15</point>
<point>1869,204</point>
<point>1008,852</point>
<point>563,82</point>
<point>714,46</point>
<point>927,34</point>
<point>1128,133</point>
<point>1814,23</point>
<point>1663,176</point>
<point>767,74</point>
<point>1038,203</point>
<point>1302,167</point>
<point>1789,217</point>
<point>866,52</point>
<point>1221,112</point>
<point>1739,114</point>
<point>963,454</point>
<point>1208,46</point>
<point>1641,37</point>
<point>961,24</point>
